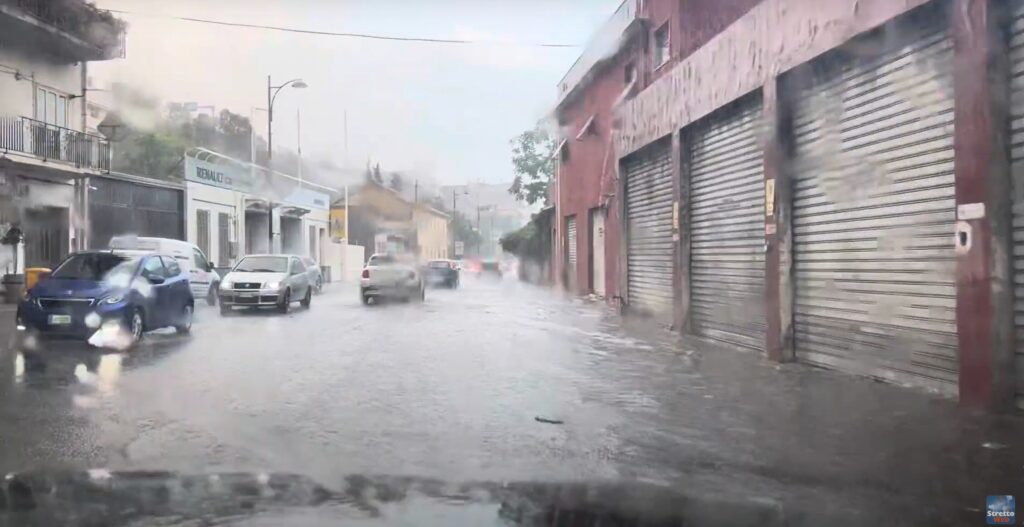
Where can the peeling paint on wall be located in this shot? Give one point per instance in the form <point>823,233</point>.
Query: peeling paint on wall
<point>770,39</point>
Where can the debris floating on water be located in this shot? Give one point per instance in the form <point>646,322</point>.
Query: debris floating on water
<point>549,421</point>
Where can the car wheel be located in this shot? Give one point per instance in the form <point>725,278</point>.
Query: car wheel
<point>224,310</point>
<point>136,327</point>
<point>319,285</point>
<point>365,298</point>
<point>211,295</point>
<point>286,302</point>
<point>309,298</point>
<point>184,324</point>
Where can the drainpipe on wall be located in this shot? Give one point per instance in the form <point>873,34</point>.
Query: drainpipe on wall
<point>82,229</point>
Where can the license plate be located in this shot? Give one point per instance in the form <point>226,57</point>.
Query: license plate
<point>247,295</point>
<point>60,320</point>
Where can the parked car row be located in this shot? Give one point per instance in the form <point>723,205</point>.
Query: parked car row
<point>142,284</point>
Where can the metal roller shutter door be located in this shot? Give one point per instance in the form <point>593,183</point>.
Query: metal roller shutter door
<point>1017,170</point>
<point>874,214</point>
<point>571,230</point>
<point>727,227</point>
<point>649,198</point>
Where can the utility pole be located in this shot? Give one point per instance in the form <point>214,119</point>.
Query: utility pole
<point>270,165</point>
<point>272,92</point>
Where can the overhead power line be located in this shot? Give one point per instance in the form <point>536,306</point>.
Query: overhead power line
<point>345,35</point>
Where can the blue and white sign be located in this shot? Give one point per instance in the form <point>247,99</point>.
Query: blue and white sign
<point>304,197</point>
<point>227,176</point>
<point>238,178</point>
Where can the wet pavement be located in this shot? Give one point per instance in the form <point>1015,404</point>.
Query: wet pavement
<point>450,391</point>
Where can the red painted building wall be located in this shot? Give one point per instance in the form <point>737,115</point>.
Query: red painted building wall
<point>588,174</point>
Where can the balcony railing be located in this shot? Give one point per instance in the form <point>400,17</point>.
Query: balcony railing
<point>54,143</point>
<point>99,29</point>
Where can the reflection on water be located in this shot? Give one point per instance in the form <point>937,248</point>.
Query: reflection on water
<point>100,371</point>
<point>19,368</point>
<point>108,372</point>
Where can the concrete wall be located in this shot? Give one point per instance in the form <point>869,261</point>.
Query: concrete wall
<point>18,96</point>
<point>431,234</point>
<point>773,37</point>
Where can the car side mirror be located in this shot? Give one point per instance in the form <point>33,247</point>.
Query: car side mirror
<point>155,280</point>
<point>209,266</point>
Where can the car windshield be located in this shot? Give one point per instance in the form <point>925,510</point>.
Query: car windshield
<point>121,275</point>
<point>88,266</point>
<point>381,259</point>
<point>518,241</point>
<point>262,264</point>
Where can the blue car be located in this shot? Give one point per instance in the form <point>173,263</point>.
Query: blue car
<point>92,290</point>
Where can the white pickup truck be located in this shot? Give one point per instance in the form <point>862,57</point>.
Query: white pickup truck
<point>388,276</point>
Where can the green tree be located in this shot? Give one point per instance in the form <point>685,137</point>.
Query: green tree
<point>532,165</point>
<point>397,183</point>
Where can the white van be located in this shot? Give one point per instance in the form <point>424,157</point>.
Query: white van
<point>204,280</point>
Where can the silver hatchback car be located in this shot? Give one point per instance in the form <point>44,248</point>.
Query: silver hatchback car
<point>266,280</point>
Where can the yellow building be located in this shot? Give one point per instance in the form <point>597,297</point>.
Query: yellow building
<point>378,211</point>
<point>431,231</point>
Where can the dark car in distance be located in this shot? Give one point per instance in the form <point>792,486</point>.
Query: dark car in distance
<point>490,268</point>
<point>91,290</point>
<point>443,273</point>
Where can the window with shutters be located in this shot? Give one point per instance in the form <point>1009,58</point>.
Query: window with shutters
<point>223,238</point>
<point>203,230</point>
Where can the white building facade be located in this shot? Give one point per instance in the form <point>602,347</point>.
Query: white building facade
<point>46,155</point>
<point>234,208</point>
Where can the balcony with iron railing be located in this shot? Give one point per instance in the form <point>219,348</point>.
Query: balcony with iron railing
<point>604,43</point>
<point>73,29</point>
<point>51,143</point>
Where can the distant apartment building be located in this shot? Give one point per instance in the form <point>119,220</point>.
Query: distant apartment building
<point>48,150</point>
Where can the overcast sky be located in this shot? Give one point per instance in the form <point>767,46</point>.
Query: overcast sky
<point>444,110</point>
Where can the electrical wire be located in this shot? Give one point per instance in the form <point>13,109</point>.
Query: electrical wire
<point>347,35</point>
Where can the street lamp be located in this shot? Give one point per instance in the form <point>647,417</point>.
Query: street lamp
<point>272,92</point>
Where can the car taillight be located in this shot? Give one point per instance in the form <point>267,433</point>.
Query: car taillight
<point>366,273</point>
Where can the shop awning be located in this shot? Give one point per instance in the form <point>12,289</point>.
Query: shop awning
<point>256,205</point>
<point>296,212</point>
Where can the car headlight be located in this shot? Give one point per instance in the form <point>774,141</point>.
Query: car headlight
<point>227,284</point>
<point>112,299</point>
<point>272,285</point>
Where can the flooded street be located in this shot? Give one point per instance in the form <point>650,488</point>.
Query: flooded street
<point>452,389</point>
